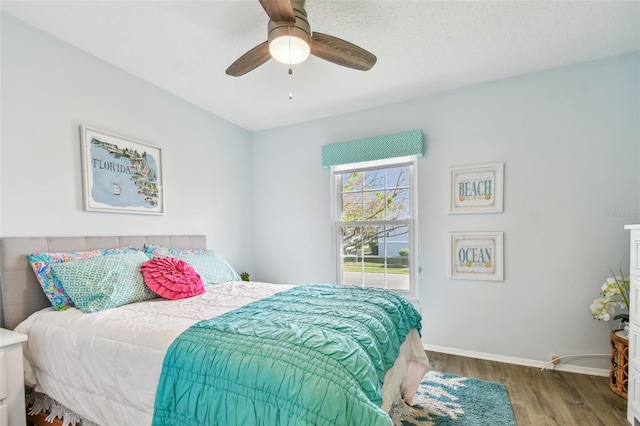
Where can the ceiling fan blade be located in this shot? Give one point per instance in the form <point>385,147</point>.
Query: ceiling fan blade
<point>279,10</point>
<point>341,52</point>
<point>250,60</point>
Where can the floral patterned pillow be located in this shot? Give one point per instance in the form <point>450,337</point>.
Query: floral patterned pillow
<point>41,264</point>
<point>154,251</point>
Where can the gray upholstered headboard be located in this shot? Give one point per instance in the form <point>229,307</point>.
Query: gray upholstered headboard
<point>20,292</point>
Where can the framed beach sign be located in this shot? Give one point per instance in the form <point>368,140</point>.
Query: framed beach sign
<point>119,174</point>
<point>477,189</point>
<point>476,256</point>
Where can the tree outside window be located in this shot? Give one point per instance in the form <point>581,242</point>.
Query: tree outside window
<point>375,226</point>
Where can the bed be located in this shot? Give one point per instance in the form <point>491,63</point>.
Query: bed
<point>134,364</point>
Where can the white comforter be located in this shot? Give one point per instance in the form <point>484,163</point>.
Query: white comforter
<point>105,366</point>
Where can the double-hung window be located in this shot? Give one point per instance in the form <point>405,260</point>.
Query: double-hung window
<point>374,212</point>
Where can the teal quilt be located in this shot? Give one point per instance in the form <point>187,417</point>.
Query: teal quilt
<point>313,355</point>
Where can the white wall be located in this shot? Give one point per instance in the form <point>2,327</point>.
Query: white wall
<point>49,89</point>
<point>569,139</point>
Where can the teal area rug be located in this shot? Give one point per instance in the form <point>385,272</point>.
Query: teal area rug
<point>450,400</point>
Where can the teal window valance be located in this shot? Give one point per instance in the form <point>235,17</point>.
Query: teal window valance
<point>376,148</point>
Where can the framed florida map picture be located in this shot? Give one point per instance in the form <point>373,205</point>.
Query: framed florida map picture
<point>120,174</point>
<point>477,189</point>
<point>476,256</point>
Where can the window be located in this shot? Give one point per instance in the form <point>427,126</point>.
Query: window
<point>373,218</point>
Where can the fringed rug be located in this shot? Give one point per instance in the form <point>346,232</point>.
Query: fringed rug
<point>450,400</point>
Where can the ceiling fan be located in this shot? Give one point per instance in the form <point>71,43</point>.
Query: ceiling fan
<point>290,41</point>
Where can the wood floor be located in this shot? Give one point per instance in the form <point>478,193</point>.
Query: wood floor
<point>541,398</point>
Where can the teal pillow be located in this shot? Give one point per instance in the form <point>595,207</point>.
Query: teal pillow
<point>210,266</point>
<point>41,264</point>
<point>104,282</point>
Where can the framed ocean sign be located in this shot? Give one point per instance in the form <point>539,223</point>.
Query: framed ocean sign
<point>119,174</point>
<point>477,189</point>
<point>476,256</point>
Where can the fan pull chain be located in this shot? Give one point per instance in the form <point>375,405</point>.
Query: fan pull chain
<point>290,83</point>
<point>290,70</point>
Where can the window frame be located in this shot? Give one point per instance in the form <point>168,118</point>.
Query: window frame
<point>337,223</point>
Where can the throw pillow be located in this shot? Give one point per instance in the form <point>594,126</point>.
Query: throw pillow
<point>41,263</point>
<point>172,278</point>
<point>104,282</point>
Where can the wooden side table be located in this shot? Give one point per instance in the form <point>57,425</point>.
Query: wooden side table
<point>618,376</point>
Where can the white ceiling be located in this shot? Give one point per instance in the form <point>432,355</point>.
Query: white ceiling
<point>422,47</point>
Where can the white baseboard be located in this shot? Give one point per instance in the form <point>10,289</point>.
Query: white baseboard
<point>519,361</point>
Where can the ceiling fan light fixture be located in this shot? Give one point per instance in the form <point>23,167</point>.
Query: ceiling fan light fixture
<point>289,41</point>
<point>289,49</point>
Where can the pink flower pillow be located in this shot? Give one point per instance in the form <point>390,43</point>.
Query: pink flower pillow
<point>171,278</point>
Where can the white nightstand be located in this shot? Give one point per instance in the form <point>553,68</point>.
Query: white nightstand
<point>12,409</point>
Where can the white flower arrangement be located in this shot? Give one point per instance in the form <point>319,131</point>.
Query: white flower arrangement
<point>615,294</point>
